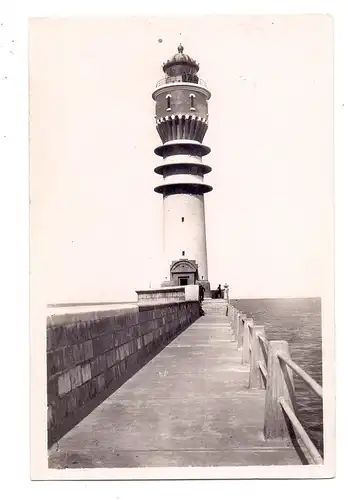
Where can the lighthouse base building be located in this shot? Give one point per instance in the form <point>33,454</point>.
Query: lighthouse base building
<point>182,121</point>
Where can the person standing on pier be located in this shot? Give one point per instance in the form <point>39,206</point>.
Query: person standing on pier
<point>201,293</point>
<point>219,292</point>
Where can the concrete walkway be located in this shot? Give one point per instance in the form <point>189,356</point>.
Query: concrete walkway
<point>189,406</point>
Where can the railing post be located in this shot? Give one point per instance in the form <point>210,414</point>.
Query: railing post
<point>232,324</point>
<point>234,319</point>
<point>236,325</point>
<point>278,381</point>
<point>246,341</point>
<point>230,314</point>
<point>241,318</point>
<point>255,378</point>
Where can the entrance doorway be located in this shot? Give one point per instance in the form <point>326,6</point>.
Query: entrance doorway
<point>183,281</point>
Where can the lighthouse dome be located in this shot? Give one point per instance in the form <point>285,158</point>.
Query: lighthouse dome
<point>180,59</point>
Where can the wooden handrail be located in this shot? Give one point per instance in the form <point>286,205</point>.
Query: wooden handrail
<point>263,339</point>
<point>263,369</point>
<point>312,384</point>
<point>271,367</point>
<point>314,453</point>
<point>281,395</point>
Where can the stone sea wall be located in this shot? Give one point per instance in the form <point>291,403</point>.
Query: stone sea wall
<point>92,354</point>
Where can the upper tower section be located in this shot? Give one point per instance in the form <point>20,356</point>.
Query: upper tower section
<point>181,100</point>
<point>181,67</point>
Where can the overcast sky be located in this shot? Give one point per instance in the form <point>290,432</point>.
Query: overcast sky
<point>96,222</point>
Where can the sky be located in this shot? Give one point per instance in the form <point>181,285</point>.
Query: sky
<point>95,220</point>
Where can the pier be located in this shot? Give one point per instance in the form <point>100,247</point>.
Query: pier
<point>217,394</point>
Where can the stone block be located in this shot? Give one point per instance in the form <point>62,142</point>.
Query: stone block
<point>144,328</point>
<point>72,334</point>
<point>94,363</point>
<point>75,377</point>
<point>105,343</point>
<point>59,411</point>
<point>102,363</point>
<point>68,358</point>
<point>100,382</point>
<point>83,394</point>
<point>94,331</point>
<point>86,372</point>
<point>145,316</point>
<point>139,343</point>
<point>148,338</point>
<point>134,332</point>
<point>158,313</point>
<point>122,366</point>
<point>58,337</point>
<point>49,416</point>
<point>126,349</point>
<point>72,402</point>
<point>64,384</point>
<point>117,370</point>
<point>78,353</point>
<point>49,340</point>
<point>111,358</point>
<point>109,377</point>
<point>88,348</point>
<point>120,353</point>
<point>133,346</point>
<point>116,339</point>
<point>52,388</point>
<point>54,362</point>
<point>82,331</point>
<point>120,321</point>
<point>132,318</point>
<point>122,336</point>
<point>92,388</point>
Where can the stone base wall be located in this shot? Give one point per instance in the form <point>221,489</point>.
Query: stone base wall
<point>169,294</point>
<point>91,355</point>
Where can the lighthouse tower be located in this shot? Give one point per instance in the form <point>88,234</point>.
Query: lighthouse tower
<point>182,121</point>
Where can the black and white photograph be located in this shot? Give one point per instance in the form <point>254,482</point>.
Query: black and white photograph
<point>181,239</point>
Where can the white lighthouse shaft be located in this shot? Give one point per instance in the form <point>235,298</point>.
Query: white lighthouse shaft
<point>184,234</point>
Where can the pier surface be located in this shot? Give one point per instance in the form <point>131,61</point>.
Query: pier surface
<point>189,406</point>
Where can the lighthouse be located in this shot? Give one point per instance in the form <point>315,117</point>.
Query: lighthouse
<point>181,116</point>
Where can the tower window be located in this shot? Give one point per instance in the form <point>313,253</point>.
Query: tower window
<point>192,102</point>
<point>183,252</point>
<point>182,219</point>
<point>168,97</point>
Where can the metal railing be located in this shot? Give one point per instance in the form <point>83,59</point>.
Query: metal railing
<point>271,368</point>
<point>181,79</point>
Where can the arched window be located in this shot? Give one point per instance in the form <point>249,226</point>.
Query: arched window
<point>192,102</point>
<point>168,97</point>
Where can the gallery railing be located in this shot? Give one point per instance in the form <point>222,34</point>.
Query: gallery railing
<point>181,79</point>
<point>271,368</point>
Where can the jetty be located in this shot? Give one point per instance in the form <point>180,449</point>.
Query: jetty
<point>217,394</point>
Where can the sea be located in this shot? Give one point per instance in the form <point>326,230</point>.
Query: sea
<point>297,321</point>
